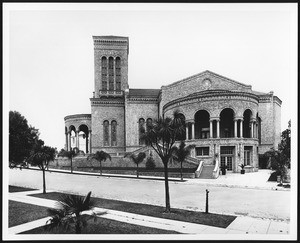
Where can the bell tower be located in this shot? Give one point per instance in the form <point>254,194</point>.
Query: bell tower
<point>110,65</point>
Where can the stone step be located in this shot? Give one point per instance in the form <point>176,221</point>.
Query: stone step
<point>207,172</point>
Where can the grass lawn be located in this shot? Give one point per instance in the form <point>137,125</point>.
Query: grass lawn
<point>19,189</point>
<point>104,226</point>
<point>20,213</point>
<point>210,219</point>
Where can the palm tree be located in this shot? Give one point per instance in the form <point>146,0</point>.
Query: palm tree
<point>161,136</point>
<point>70,155</point>
<point>69,212</point>
<point>99,156</point>
<point>41,157</point>
<point>137,159</point>
<point>181,153</point>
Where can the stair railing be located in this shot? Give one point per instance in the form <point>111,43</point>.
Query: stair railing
<point>216,170</point>
<point>199,169</point>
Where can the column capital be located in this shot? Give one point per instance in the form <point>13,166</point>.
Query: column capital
<point>238,118</point>
<point>190,121</point>
<point>253,120</point>
<point>214,119</point>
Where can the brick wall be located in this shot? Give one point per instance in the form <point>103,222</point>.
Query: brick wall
<point>135,111</point>
<point>110,113</point>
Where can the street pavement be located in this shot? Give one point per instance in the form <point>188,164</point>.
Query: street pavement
<point>232,194</point>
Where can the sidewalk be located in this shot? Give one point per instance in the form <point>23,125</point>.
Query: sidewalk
<point>241,225</point>
<point>253,180</point>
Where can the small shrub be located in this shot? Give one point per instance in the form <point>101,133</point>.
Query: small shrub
<point>150,163</point>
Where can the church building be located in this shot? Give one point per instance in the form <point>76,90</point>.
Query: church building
<point>224,118</point>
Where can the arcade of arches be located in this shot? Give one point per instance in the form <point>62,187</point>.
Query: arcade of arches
<point>79,137</point>
<point>225,126</point>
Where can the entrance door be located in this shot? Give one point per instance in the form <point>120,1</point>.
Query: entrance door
<point>226,160</point>
<point>227,153</point>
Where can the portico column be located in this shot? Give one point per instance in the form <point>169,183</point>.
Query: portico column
<point>77,139</point>
<point>235,128</point>
<point>210,128</point>
<point>90,136</point>
<point>187,132</point>
<point>193,130</point>
<point>241,128</point>
<point>218,128</point>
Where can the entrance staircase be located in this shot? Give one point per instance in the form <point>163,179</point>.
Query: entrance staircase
<point>207,172</point>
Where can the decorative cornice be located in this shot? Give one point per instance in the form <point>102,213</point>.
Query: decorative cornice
<point>268,99</point>
<point>208,95</point>
<point>143,99</point>
<point>107,102</point>
<point>277,100</point>
<point>78,116</point>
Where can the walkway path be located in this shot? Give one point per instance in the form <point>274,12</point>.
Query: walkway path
<point>241,225</point>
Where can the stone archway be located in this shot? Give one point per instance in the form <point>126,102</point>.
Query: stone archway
<point>247,130</point>
<point>202,125</point>
<point>84,137</point>
<point>227,123</point>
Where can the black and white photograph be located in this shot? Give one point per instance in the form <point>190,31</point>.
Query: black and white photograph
<point>150,121</point>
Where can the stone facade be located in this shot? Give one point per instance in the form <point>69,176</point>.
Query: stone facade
<point>225,119</point>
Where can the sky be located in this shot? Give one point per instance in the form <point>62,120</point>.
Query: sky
<point>49,59</point>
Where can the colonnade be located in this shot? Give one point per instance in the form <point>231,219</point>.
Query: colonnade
<point>253,128</point>
<point>88,140</point>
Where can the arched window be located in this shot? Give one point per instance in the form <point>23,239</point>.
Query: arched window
<point>113,133</point>
<point>118,73</point>
<point>149,122</point>
<point>141,124</point>
<point>106,133</point>
<point>104,73</point>
<point>111,73</point>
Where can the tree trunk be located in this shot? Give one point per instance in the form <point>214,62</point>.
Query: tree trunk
<point>168,207</point>
<point>77,225</point>
<point>71,165</point>
<point>181,171</point>
<point>44,181</point>
<point>100,168</point>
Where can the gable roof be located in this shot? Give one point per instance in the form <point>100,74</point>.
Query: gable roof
<point>207,72</point>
